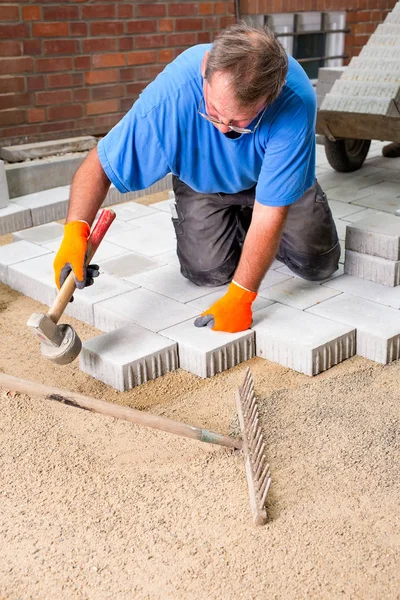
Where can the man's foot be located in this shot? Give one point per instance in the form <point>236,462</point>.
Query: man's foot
<point>391,150</point>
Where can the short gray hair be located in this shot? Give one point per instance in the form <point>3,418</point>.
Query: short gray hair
<point>255,60</point>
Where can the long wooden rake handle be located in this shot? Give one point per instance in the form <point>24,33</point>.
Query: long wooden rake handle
<point>139,417</point>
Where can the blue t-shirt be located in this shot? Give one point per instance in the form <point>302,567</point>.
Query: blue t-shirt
<point>164,133</point>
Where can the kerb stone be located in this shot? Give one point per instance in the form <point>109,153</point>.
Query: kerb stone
<point>378,235</point>
<point>373,268</point>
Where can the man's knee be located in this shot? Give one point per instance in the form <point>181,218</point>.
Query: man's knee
<point>314,267</point>
<point>212,277</point>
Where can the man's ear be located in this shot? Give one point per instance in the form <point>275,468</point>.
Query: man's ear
<point>204,63</point>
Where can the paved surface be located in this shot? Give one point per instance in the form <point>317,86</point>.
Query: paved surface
<point>141,285</point>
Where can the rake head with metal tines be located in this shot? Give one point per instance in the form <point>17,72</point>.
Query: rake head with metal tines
<point>257,469</point>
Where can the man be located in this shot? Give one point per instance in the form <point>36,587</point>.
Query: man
<point>234,122</point>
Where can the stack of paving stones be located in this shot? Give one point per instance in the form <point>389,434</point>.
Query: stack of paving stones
<point>326,78</point>
<point>371,82</point>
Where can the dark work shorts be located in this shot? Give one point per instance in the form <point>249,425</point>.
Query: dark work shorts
<point>210,230</point>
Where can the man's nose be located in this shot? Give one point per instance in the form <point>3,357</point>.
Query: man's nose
<point>222,127</point>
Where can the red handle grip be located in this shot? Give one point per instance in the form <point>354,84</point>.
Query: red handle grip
<point>107,216</point>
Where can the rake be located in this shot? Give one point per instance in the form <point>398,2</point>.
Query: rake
<point>252,444</point>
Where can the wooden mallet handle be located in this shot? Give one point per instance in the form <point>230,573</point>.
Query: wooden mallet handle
<point>107,216</point>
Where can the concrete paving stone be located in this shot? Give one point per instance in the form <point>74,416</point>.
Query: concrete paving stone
<point>4,195</point>
<point>373,268</point>
<point>369,290</point>
<point>122,226</point>
<point>205,352</point>
<point>362,214</point>
<point>378,327</point>
<point>132,210</point>
<point>105,251</point>
<point>16,253</point>
<point>126,265</point>
<point>286,271</point>
<point>341,229</point>
<point>34,278</point>
<point>14,217</point>
<point>128,357</point>
<point>171,195</point>
<point>49,148</point>
<point>205,302</point>
<point>342,209</point>
<point>170,258</point>
<point>40,234</point>
<point>298,293</point>
<point>45,206</point>
<point>301,341</point>
<point>158,220</point>
<point>347,194</point>
<point>169,282</point>
<point>382,202</point>
<point>105,287</point>
<point>273,277</point>
<point>375,235</point>
<point>164,205</point>
<point>147,241</point>
<point>142,307</point>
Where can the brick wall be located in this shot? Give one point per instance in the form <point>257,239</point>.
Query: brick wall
<point>75,67</point>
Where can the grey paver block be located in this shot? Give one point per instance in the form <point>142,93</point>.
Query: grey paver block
<point>34,278</point>
<point>373,268</point>
<point>273,277</point>
<point>104,251</point>
<point>337,273</point>
<point>45,206</point>
<point>379,200</point>
<point>14,217</point>
<point>205,302</point>
<point>147,241</point>
<point>16,253</point>
<point>40,234</point>
<point>159,220</point>
<point>105,287</point>
<point>169,281</point>
<point>164,205</point>
<point>40,149</point>
<point>128,357</point>
<point>298,293</point>
<point>142,307</point>
<point>341,229</point>
<point>365,212</point>
<point>291,338</point>
<point>342,209</point>
<point>378,327</point>
<point>375,235</point>
<point>169,258</point>
<point>366,289</point>
<point>132,210</point>
<point>205,352</point>
<point>126,265</point>
<point>4,195</point>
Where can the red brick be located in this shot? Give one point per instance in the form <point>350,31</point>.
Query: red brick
<point>126,43</point>
<point>180,39</point>
<point>148,73</point>
<point>141,58</point>
<point>10,49</point>
<point>205,8</point>
<point>141,26</point>
<point>60,46</point>
<point>78,29</point>
<point>58,126</point>
<point>135,88</point>
<point>12,84</point>
<point>226,22</point>
<point>31,13</point>
<point>15,65</point>
<point>13,31</point>
<point>12,117</point>
<point>57,113</point>
<point>95,77</point>
<point>67,80</point>
<point>54,97</point>
<point>14,100</point>
<point>108,91</point>
<point>165,25</point>
<point>220,8</point>
<point>98,11</point>
<point>104,28</point>
<point>189,25</point>
<point>50,29</point>
<point>126,104</point>
<point>32,47</point>
<point>61,13</point>
<point>182,9</point>
<point>82,95</point>
<point>108,60</point>
<point>44,65</point>
<point>203,37</point>
<point>82,62</point>
<point>102,106</point>
<point>150,41</point>
<point>35,115</point>
<point>165,56</point>
<point>151,10</point>
<point>211,23</point>
<point>127,74</point>
<point>11,133</point>
<point>125,11</point>
<point>9,13</point>
<point>35,82</point>
<point>99,44</point>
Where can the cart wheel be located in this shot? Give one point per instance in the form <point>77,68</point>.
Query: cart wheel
<point>346,155</point>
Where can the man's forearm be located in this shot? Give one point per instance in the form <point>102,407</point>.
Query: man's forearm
<point>260,246</point>
<point>89,189</point>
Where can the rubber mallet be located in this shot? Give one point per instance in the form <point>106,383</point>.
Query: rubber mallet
<point>60,343</point>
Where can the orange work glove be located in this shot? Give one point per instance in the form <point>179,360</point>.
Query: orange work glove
<point>230,313</point>
<point>72,254</point>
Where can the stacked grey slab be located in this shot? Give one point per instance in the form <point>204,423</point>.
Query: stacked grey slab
<point>371,82</point>
<point>326,78</point>
<point>373,249</point>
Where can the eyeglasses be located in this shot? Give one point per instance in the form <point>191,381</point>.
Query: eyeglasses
<point>231,127</point>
